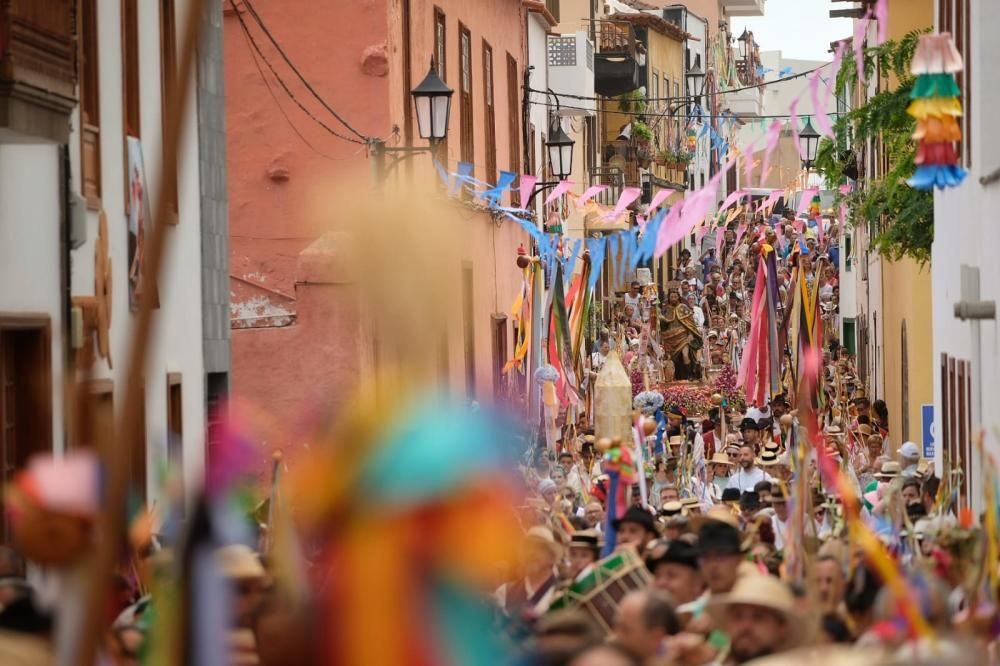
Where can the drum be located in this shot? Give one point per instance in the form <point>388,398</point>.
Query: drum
<point>600,591</point>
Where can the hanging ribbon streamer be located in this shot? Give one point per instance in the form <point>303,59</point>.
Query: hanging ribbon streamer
<point>731,199</point>
<point>659,198</point>
<point>596,246</point>
<point>860,29</point>
<point>792,111</point>
<point>493,194</point>
<point>882,16</point>
<point>936,106</point>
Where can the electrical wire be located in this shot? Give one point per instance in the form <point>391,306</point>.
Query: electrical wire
<point>691,97</point>
<point>284,86</point>
<point>681,116</point>
<point>298,133</point>
<point>288,61</point>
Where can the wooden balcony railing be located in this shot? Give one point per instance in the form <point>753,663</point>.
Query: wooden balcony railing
<point>615,37</point>
<point>37,68</point>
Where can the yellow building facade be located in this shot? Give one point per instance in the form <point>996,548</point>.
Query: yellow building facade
<point>904,316</point>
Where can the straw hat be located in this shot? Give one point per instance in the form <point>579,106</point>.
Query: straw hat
<point>238,561</point>
<point>543,536</point>
<point>719,458</point>
<point>864,429</point>
<point>890,470</point>
<point>762,591</point>
<point>768,459</point>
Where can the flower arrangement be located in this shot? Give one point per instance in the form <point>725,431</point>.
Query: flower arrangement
<point>694,399</point>
<point>648,402</point>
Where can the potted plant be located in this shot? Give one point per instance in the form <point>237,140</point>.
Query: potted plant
<point>663,157</point>
<point>681,160</point>
<point>632,102</point>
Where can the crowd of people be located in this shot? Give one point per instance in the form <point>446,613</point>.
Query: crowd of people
<point>738,541</point>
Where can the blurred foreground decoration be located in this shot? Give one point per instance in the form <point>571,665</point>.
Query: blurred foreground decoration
<point>412,500</point>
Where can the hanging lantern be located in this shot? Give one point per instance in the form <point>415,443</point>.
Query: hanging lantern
<point>613,400</point>
<point>937,107</point>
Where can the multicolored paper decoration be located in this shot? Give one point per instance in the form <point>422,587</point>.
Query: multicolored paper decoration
<point>814,206</point>
<point>936,107</point>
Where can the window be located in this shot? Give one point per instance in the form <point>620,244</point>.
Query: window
<point>25,393</point>
<point>955,420</point>
<point>168,87</point>
<point>90,106</point>
<point>441,63</point>
<point>489,115</point>
<point>130,80</point>
<point>469,332</point>
<point>514,127</point>
<point>465,89</point>
<point>499,322</point>
<point>175,424</point>
<point>953,17</point>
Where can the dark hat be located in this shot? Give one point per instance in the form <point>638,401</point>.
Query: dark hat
<point>749,501</point>
<point>731,495</point>
<point>749,424</point>
<point>675,410</point>
<point>639,516</point>
<point>718,538</point>
<point>675,551</point>
<point>780,399</point>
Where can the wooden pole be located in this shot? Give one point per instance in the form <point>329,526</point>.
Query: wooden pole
<point>129,432</point>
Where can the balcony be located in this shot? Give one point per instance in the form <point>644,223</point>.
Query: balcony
<point>743,7</point>
<point>616,63</point>
<point>571,72</point>
<point>37,70</point>
<point>746,103</point>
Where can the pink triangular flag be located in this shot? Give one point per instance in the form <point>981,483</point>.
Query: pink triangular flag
<point>845,189</point>
<point>673,215</point>
<point>795,126</point>
<point>772,199</point>
<point>731,199</point>
<point>526,187</point>
<point>629,194</point>
<point>590,193</point>
<point>806,199</point>
<point>882,16</point>
<point>562,188</point>
<point>659,198</point>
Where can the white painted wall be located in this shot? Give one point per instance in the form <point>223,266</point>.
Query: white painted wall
<point>30,249</point>
<point>966,231</point>
<point>177,341</point>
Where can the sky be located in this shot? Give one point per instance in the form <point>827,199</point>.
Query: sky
<point>800,29</point>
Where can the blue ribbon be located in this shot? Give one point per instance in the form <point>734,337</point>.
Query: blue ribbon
<point>610,533</point>
<point>596,247</point>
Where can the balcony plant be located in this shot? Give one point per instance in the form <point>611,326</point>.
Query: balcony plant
<point>632,102</point>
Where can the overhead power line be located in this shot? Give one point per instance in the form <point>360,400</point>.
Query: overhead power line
<point>691,97</point>
<point>284,86</point>
<point>682,116</point>
<point>288,61</point>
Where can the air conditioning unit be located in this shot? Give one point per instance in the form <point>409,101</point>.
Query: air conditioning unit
<point>571,72</point>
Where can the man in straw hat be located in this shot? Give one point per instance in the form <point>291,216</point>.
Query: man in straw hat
<point>584,551</point>
<point>759,616</point>
<point>748,474</point>
<point>533,594</point>
<point>719,466</point>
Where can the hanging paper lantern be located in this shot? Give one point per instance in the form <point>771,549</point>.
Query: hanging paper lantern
<point>936,107</point>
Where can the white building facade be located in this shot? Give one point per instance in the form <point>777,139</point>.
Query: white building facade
<point>965,271</point>
<point>66,253</point>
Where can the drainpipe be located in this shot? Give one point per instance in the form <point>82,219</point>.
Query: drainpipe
<point>66,284</point>
<point>534,394</point>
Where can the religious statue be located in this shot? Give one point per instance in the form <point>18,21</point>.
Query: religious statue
<point>681,337</point>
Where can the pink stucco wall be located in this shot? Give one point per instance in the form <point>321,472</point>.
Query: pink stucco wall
<point>305,345</point>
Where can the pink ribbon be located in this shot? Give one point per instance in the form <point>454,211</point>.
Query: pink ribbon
<point>562,188</point>
<point>720,236</point>
<point>740,231</point>
<point>629,194</point>
<point>882,16</point>
<point>700,236</point>
<point>845,189</point>
<point>792,111</point>
<point>748,163</point>
<point>773,136</point>
<point>526,187</point>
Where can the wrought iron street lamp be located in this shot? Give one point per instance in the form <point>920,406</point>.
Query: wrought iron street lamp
<point>560,149</point>
<point>808,143</point>
<point>432,103</point>
<point>695,78</point>
<point>744,41</point>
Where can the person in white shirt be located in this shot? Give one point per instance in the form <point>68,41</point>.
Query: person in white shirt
<point>747,475</point>
<point>633,298</point>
